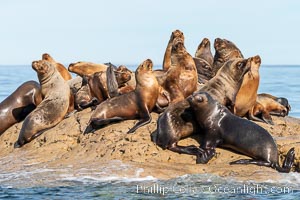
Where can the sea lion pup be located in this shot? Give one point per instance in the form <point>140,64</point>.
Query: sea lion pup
<point>52,109</point>
<point>283,101</point>
<point>168,57</point>
<point>136,104</point>
<point>182,78</point>
<point>225,50</point>
<point>204,61</point>
<point>19,104</point>
<point>177,121</point>
<point>86,68</point>
<point>60,67</point>
<point>223,129</point>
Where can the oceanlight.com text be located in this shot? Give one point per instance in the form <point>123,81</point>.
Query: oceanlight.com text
<point>210,189</point>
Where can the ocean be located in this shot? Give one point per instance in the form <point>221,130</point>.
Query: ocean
<point>40,183</point>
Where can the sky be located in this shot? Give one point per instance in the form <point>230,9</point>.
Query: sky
<point>128,32</point>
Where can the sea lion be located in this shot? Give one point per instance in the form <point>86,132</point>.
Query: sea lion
<point>223,87</point>
<point>226,84</point>
<point>86,68</point>
<point>101,86</point>
<point>136,104</point>
<point>225,50</point>
<point>223,129</point>
<point>203,51</point>
<point>168,57</point>
<point>181,78</point>
<point>52,109</point>
<point>60,67</point>
<point>272,106</point>
<point>283,101</point>
<point>247,94</point>
<point>83,97</point>
<point>19,104</point>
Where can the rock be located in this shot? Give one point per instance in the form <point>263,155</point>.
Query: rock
<point>65,145</point>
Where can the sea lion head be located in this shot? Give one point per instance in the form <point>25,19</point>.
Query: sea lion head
<point>225,48</point>
<point>42,66</point>
<point>178,45</point>
<point>122,74</point>
<point>177,34</point>
<point>44,69</point>
<point>204,44</point>
<point>145,66</point>
<point>203,105</point>
<point>236,68</point>
<point>47,57</point>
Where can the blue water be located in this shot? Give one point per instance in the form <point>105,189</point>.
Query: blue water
<point>281,81</point>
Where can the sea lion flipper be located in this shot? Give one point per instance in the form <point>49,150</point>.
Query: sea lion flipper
<point>140,123</point>
<point>289,159</point>
<point>112,84</point>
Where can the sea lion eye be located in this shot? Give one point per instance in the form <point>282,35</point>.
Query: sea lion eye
<point>240,64</point>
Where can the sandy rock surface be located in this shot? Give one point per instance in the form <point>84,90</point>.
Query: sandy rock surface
<point>65,146</point>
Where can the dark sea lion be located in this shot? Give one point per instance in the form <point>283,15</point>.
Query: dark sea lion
<point>204,61</point>
<point>168,57</point>
<point>52,109</point>
<point>181,78</point>
<point>60,67</point>
<point>136,104</point>
<point>19,104</point>
<point>86,68</point>
<point>222,87</point>
<point>225,51</point>
<point>204,52</point>
<point>283,101</point>
<point>223,129</point>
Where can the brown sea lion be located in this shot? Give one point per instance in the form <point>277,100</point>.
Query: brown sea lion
<point>181,78</point>
<point>86,68</point>
<point>225,50</point>
<point>272,106</point>
<point>136,104</point>
<point>223,129</point>
<point>246,97</point>
<point>60,67</point>
<point>168,57</point>
<point>52,109</point>
<point>223,87</point>
<point>19,104</point>
<point>101,86</point>
<point>226,84</point>
<point>283,101</point>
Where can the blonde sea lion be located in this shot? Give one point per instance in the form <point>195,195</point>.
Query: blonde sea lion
<point>52,109</point>
<point>86,68</point>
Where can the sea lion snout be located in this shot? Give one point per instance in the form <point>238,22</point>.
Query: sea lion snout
<point>257,59</point>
